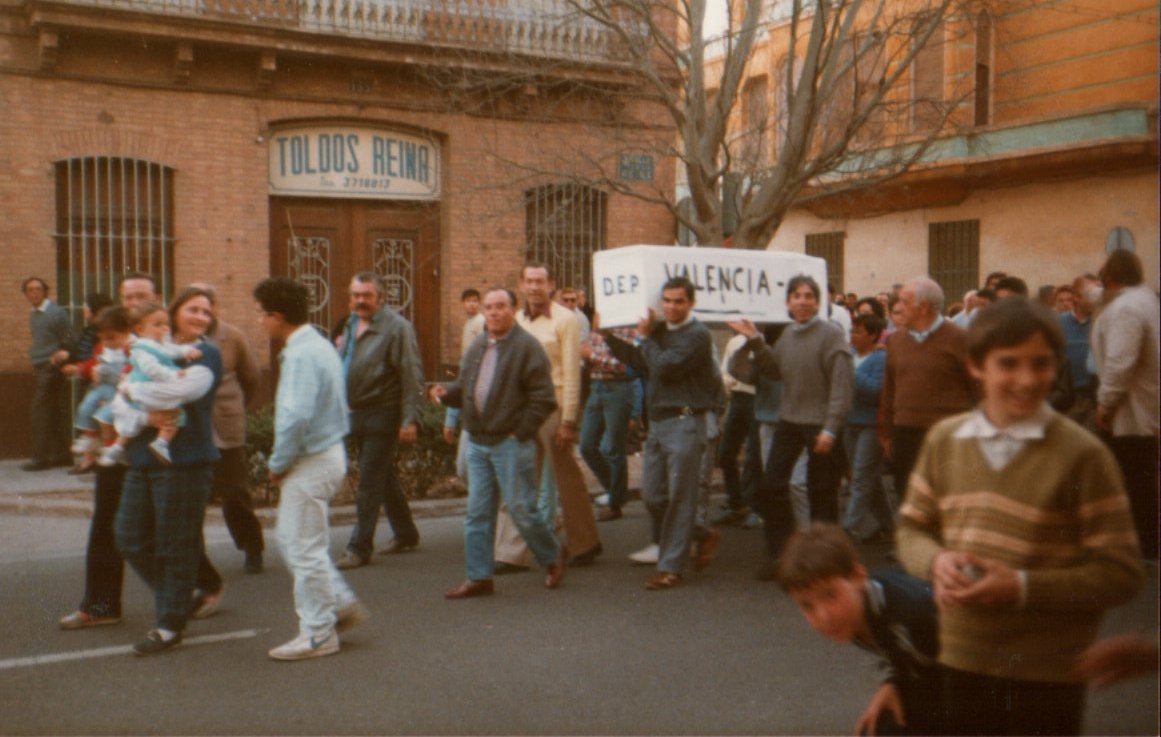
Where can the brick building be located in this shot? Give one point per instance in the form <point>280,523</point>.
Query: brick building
<point>439,144</point>
<point>1048,159</point>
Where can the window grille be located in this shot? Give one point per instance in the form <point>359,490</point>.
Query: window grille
<point>564,226</point>
<point>113,216</point>
<point>953,256</point>
<point>309,261</point>
<point>831,247</point>
<point>394,262</point>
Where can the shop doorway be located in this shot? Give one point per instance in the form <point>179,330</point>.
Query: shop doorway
<point>323,243</point>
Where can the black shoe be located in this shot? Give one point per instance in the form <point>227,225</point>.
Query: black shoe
<point>36,466</point>
<point>503,568</point>
<point>253,562</point>
<point>153,643</point>
<point>586,558</point>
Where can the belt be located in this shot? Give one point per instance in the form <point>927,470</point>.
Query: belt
<point>668,413</point>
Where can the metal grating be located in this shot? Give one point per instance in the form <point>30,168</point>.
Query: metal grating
<point>953,256</point>
<point>113,216</point>
<point>831,248</point>
<point>393,259</point>
<point>564,226</point>
<point>309,262</point>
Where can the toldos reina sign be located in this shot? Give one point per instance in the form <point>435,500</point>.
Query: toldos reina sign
<point>353,161</point>
<point>731,284</point>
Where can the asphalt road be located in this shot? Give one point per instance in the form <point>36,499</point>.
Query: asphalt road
<point>601,655</point>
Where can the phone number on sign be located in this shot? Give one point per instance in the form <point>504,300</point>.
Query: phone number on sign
<point>364,183</point>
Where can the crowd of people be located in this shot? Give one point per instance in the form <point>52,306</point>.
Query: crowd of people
<point>1008,446</point>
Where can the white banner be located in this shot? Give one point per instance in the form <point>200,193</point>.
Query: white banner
<point>731,284</point>
<point>353,161</point>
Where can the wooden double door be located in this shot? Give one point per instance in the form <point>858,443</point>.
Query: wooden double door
<point>323,243</point>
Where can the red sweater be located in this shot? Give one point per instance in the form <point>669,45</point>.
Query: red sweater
<point>925,382</point>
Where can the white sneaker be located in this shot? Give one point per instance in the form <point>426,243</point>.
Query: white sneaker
<point>160,450</point>
<point>602,500</point>
<point>307,646</point>
<point>85,444</point>
<point>647,555</point>
<point>110,456</point>
<point>350,615</point>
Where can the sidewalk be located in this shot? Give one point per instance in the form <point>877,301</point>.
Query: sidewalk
<point>54,493</point>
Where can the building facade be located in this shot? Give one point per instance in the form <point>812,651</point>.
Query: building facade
<point>1046,160</point>
<point>221,141</point>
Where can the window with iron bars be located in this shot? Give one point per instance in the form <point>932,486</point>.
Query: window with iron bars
<point>113,216</point>
<point>564,225</point>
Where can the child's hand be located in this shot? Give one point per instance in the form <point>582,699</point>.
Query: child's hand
<point>887,697</point>
<point>194,354</point>
<point>69,370</point>
<point>974,582</point>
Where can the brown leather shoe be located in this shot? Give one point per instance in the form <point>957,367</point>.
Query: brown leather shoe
<point>663,580</point>
<point>608,514</point>
<point>468,589</point>
<point>555,573</point>
<point>705,549</point>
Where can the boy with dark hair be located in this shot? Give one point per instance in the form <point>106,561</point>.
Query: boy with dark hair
<point>887,613</point>
<point>309,463</point>
<point>1019,518</point>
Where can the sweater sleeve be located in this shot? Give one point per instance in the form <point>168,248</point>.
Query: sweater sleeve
<point>841,393</point>
<point>1109,572</point>
<point>539,393</point>
<point>570,357</point>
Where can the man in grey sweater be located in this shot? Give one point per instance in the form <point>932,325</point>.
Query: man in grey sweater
<point>813,363</point>
<point>52,335</point>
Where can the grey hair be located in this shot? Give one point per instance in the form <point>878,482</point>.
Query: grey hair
<point>926,290</point>
<point>370,277</point>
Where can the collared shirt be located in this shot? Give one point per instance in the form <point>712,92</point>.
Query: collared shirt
<point>603,365</point>
<point>43,306</point>
<point>310,407</point>
<point>487,373</point>
<point>559,334</point>
<point>1001,445</point>
<point>921,336</point>
<point>675,325</point>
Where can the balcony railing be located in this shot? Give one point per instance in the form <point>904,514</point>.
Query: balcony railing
<point>540,28</point>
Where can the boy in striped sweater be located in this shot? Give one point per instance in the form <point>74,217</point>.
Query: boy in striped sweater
<point>1019,518</point>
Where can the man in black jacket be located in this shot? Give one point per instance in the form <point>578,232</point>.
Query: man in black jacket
<point>505,390</point>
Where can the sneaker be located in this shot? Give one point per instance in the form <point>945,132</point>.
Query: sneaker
<point>647,555</point>
<point>753,521</point>
<point>85,444</point>
<point>350,559</point>
<point>160,450</point>
<point>81,619</point>
<point>110,456</point>
<point>602,500</point>
<point>154,642</point>
<point>205,604</point>
<point>307,646</point>
<point>350,615</point>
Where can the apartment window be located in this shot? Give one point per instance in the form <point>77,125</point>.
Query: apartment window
<point>927,83</point>
<point>829,246</point>
<point>755,121</point>
<point>953,256</point>
<point>564,225</point>
<point>1120,238</point>
<point>984,37</point>
<point>113,215</point>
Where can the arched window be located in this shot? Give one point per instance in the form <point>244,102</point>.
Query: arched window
<point>564,225</point>
<point>1120,239</point>
<point>113,216</point>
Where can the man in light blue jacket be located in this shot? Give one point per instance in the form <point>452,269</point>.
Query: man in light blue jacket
<point>309,463</point>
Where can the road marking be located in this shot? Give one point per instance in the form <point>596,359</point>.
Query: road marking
<point>103,652</point>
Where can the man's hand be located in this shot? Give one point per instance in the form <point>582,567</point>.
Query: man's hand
<point>437,393</point>
<point>645,324</point>
<point>586,351</point>
<point>745,327</point>
<point>408,434</point>
<point>963,579</point>
<point>887,697</point>
<point>823,443</point>
<point>1117,659</point>
<point>162,418</point>
<point>275,479</point>
<point>449,435</point>
<point>566,434</point>
<point>69,370</point>
<point>59,357</point>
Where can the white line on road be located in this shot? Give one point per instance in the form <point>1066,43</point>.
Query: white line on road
<point>103,652</point>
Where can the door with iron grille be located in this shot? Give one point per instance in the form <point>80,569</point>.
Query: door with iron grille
<point>324,243</point>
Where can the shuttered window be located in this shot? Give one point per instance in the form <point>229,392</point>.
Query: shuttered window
<point>829,246</point>
<point>953,256</point>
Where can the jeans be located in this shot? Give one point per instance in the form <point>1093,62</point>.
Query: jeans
<point>822,480</point>
<point>159,533</point>
<point>232,489</point>
<point>604,436</point>
<point>867,493</point>
<point>304,534</point>
<point>673,457</point>
<point>95,398</point>
<point>375,431</point>
<point>505,471</point>
<point>740,427</point>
